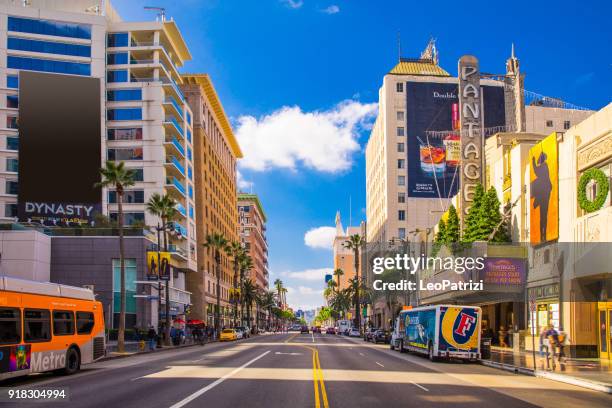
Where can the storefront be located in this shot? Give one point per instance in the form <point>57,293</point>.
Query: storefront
<point>604,320</point>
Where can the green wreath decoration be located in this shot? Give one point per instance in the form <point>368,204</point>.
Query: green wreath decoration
<point>602,182</point>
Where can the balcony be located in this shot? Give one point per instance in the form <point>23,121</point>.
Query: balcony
<point>175,148</point>
<point>174,166</point>
<point>171,123</point>
<point>170,104</point>
<point>177,252</point>
<point>173,88</point>
<point>173,185</point>
<point>181,210</point>
<point>179,229</point>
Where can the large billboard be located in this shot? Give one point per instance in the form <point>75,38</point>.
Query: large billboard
<point>544,191</point>
<point>59,148</point>
<point>433,135</point>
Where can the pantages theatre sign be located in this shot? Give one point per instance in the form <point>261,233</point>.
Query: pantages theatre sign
<point>470,108</point>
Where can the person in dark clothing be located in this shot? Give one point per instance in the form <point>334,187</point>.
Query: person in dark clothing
<point>541,189</point>
<point>152,338</point>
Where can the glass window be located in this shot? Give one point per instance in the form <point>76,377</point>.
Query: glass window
<point>47,65</point>
<point>129,218</point>
<point>12,101</point>
<point>49,27</point>
<point>190,189</point>
<point>400,147</point>
<point>566,124</point>
<point>85,322</point>
<point>124,134</point>
<point>117,40</point>
<point>117,58</point>
<point>401,180</point>
<point>12,164</point>
<point>124,114</point>
<point>400,115</point>
<point>401,197</point>
<point>190,172</point>
<point>12,143</point>
<point>188,118</point>
<point>189,135</point>
<point>130,285</point>
<point>117,76</point>
<point>10,210</point>
<point>549,123</point>
<point>12,81</point>
<point>191,212</point>
<point>63,322</point>
<point>189,155</point>
<point>401,233</point>
<point>37,325</point>
<point>401,163</point>
<point>12,122</point>
<point>401,215</point>
<point>129,197</point>
<point>125,154</point>
<point>138,174</point>
<point>400,131</point>
<point>10,325</point>
<point>48,47</point>
<point>399,87</point>
<point>12,187</point>
<point>124,95</point>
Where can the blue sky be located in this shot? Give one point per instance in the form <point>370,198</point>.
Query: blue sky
<point>299,80</point>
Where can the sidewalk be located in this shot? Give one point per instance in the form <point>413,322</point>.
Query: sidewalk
<point>132,348</point>
<point>595,374</point>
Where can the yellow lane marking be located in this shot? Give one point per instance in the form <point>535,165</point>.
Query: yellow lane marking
<point>317,376</point>
<point>315,381</point>
<point>323,391</point>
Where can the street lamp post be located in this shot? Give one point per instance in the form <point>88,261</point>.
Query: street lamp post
<point>166,227</point>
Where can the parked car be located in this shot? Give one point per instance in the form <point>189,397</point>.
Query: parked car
<point>316,329</point>
<point>304,329</point>
<point>295,328</point>
<point>330,330</point>
<point>367,334</point>
<point>239,334</point>
<point>228,335</point>
<point>382,336</point>
<point>354,332</point>
<point>246,332</point>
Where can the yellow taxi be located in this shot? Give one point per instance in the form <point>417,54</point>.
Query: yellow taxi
<point>228,335</point>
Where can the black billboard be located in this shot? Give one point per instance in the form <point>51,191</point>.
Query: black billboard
<point>59,148</point>
<point>433,136</point>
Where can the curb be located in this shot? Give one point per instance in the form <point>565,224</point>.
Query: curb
<point>139,353</point>
<point>595,386</point>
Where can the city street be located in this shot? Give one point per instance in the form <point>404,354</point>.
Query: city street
<point>303,370</point>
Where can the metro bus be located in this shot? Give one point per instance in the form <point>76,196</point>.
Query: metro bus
<point>48,327</point>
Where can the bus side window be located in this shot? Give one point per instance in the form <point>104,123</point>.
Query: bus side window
<point>10,325</point>
<point>37,324</point>
<point>63,323</point>
<point>85,322</point>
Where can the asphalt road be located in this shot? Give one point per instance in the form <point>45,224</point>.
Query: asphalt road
<point>298,370</point>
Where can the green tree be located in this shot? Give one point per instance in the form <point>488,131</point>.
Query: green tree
<point>234,249</point>
<point>338,274</point>
<point>440,238</point>
<point>117,176</point>
<point>249,293</point>
<point>473,224</point>
<point>246,264</point>
<point>268,302</point>
<point>217,243</point>
<point>452,226</point>
<point>164,207</point>
<point>354,243</point>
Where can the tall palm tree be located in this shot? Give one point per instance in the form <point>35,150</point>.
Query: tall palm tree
<point>278,284</point>
<point>235,250</point>
<point>354,243</point>
<point>338,273</point>
<point>249,293</point>
<point>330,289</point>
<point>117,176</point>
<point>268,301</point>
<point>164,207</point>
<point>217,242</point>
<point>246,264</point>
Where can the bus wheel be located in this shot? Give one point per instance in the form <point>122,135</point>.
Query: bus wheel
<point>73,361</point>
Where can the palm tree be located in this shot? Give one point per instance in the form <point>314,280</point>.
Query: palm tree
<point>235,250</point>
<point>115,175</point>
<point>217,242</point>
<point>329,290</point>
<point>338,273</point>
<point>355,242</point>
<point>249,293</point>
<point>268,301</point>
<point>278,284</point>
<point>246,264</point>
<point>164,207</point>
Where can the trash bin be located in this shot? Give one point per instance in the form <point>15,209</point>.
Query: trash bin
<point>485,348</point>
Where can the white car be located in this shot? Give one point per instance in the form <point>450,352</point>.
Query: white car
<point>239,334</point>
<point>354,332</point>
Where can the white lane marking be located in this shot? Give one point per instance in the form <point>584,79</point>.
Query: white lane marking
<point>212,385</point>
<point>312,336</point>
<point>419,385</point>
<point>288,354</point>
<point>198,360</point>
<point>379,364</point>
<point>361,354</point>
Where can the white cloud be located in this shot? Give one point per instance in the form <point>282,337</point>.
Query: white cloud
<point>309,274</point>
<point>304,297</point>
<point>293,4</point>
<point>243,184</point>
<point>320,237</point>
<point>289,137</point>
<point>333,9</point>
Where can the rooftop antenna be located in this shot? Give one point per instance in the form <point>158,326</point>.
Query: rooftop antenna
<point>161,12</point>
<point>399,46</point>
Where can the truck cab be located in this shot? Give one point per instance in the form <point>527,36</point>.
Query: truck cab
<point>397,335</point>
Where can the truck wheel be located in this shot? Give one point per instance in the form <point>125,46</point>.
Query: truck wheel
<point>73,361</point>
<point>401,346</point>
<point>391,346</point>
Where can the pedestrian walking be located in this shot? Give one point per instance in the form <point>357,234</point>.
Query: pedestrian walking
<point>553,344</point>
<point>564,343</point>
<point>152,338</point>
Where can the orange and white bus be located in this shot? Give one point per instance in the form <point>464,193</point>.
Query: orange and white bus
<point>47,326</point>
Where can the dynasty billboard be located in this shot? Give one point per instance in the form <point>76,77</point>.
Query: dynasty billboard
<point>544,191</point>
<point>433,135</point>
<point>59,148</point>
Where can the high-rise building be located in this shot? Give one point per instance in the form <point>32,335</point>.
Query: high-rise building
<point>216,151</point>
<point>252,231</point>
<point>144,120</point>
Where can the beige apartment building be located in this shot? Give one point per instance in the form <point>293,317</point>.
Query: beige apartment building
<point>344,258</point>
<point>216,151</point>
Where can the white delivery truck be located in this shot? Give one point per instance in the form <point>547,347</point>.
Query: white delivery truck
<point>344,326</point>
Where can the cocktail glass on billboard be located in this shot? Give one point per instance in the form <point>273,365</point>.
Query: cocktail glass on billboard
<point>433,160</point>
